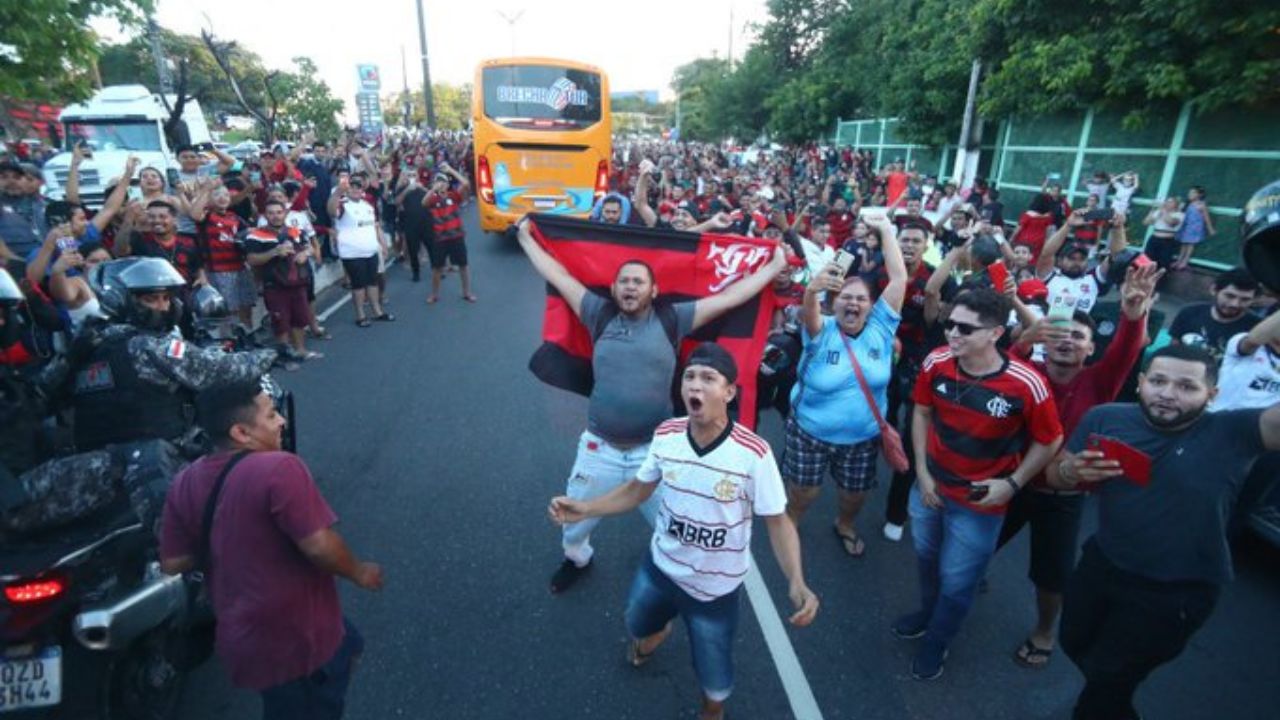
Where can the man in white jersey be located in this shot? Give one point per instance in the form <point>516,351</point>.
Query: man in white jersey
<point>716,475</point>
<point>360,244</point>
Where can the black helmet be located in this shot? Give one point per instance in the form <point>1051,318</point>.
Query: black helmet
<point>10,295</point>
<point>208,303</point>
<point>116,283</point>
<point>1260,233</point>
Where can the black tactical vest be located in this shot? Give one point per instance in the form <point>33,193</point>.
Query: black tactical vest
<point>113,405</point>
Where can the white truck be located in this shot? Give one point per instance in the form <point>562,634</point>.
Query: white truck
<point>119,121</point>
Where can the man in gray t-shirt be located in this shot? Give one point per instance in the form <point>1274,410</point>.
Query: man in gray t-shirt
<point>1150,576</point>
<point>192,170</point>
<point>634,362</point>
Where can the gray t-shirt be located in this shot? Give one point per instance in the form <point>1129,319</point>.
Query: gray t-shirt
<point>1176,527</point>
<point>633,362</point>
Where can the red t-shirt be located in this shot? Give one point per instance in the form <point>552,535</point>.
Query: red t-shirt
<point>841,227</point>
<point>1098,383</point>
<point>1033,230</point>
<point>982,426</point>
<point>279,618</point>
<point>896,184</point>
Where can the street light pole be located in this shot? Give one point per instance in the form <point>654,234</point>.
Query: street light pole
<point>511,22</point>
<point>426,70</point>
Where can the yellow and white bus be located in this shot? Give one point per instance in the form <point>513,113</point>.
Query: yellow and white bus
<point>542,138</point>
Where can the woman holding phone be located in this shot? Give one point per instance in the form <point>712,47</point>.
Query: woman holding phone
<point>833,428</point>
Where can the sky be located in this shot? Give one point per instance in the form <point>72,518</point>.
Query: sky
<point>639,44</point>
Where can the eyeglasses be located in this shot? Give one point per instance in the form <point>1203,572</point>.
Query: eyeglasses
<point>965,329</point>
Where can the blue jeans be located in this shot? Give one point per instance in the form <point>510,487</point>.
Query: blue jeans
<point>655,600</point>
<point>953,546</point>
<point>322,694</point>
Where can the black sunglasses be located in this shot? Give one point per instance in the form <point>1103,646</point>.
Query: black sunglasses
<point>965,329</point>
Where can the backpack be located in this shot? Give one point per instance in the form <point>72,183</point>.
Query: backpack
<point>665,312</point>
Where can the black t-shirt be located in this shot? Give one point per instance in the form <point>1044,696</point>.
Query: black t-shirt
<point>1175,528</point>
<point>1194,325</point>
<point>414,217</point>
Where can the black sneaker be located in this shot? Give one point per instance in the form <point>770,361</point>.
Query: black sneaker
<point>910,627</point>
<point>566,575</point>
<point>929,661</point>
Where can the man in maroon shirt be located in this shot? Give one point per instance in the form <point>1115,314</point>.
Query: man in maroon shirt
<point>1054,515</point>
<point>270,557</point>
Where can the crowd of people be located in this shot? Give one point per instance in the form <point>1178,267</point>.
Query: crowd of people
<point>1005,371</point>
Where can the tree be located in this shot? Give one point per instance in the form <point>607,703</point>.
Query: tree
<point>696,84</point>
<point>307,104</point>
<point>453,106</point>
<point>265,112</point>
<point>47,49</point>
<point>1138,56</point>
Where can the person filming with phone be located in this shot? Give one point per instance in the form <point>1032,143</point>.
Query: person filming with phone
<point>840,397</point>
<point>1167,475</point>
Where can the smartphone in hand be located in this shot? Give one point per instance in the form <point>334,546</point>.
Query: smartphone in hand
<point>845,260</point>
<point>999,275</point>
<point>1135,464</point>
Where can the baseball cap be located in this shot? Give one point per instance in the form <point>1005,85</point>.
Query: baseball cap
<point>31,170</point>
<point>1072,248</point>
<point>711,355</point>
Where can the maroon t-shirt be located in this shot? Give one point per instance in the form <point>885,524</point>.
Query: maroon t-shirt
<point>278,614</point>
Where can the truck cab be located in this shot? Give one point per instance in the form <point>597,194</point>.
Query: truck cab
<point>119,121</point>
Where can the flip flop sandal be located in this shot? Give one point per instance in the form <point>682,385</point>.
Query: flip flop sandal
<point>470,298</point>
<point>1028,653</point>
<point>321,334</point>
<point>853,545</point>
<point>432,299</point>
<point>635,658</point>
<point>364,322</point>
<point>385,317</point>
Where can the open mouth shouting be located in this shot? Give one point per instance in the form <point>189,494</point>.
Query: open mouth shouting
<point>694,404</point>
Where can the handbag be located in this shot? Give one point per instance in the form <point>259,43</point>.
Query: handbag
<point>202,625</point>
<point>890,439</point>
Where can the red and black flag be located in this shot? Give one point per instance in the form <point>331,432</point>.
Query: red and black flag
<point>688,266</point>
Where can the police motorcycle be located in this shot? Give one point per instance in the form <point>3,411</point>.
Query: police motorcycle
<point>89,625</point>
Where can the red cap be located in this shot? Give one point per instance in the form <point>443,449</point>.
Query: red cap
<point>1033,290</point>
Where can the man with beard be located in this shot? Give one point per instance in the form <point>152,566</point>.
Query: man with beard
<point>1212,324</point>
<point>281,253</point>
<point>1054,514</point>
<point>634,337</point>
<point>1064,267</point>
<point>1151,575</point>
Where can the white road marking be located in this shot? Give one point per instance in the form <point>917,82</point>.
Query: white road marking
<point>803,704</point>
<point>346,298</point>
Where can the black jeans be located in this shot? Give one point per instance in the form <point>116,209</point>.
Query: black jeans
<point>415,239</point>
<point>901,410</point>
<point>1117,627</point>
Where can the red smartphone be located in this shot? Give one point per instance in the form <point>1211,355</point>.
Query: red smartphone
<point>999,275</point>
<point>1135,464</point>
<point>1141,260</point>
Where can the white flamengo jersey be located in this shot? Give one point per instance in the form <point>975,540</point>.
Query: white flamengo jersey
<point>703,530</point>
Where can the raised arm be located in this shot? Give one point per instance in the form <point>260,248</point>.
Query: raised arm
<point>938,280</point>
<point>1265,332</point>
<point>640,200</point>
<point>119,195</point>
<point>569,287</point>
<point>72,192</point>
<point>225,161</point>
<point>894,266</point>
<point>713,306</point>
<point>1049,253</point>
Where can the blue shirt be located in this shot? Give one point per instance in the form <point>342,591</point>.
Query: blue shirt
<point>827,401</point>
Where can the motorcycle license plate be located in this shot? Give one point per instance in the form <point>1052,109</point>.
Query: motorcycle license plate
<point>32,681</point>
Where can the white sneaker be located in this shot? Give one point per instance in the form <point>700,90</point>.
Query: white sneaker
<point>892,532</point>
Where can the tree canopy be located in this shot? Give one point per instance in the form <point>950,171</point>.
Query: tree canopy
<point>815,61</point>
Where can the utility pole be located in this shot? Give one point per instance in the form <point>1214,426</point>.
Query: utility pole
<point>731,36</point>
<point>408,101</point>
<point>511,22</point>
<point>426,69</point>
<point>967,150</point>
<point>157,54</point>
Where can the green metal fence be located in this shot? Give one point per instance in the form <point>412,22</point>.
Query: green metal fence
<point>1231,153</point>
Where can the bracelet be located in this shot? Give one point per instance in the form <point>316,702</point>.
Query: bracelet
<point>1013,483</point>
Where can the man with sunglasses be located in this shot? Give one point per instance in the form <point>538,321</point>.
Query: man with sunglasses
<point>984,425</point>
<point>1054,514</point>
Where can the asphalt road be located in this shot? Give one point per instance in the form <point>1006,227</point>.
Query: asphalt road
<point>439,450</point>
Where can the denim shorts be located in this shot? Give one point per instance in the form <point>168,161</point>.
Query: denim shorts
<point>655,600</point>
<point>322,694</point>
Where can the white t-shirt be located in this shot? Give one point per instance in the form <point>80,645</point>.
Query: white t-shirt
<point>295,219</point>
<point>1082,292</point>
<point>1247,381</point>
<point>703,530</point>
<point>356,229</point>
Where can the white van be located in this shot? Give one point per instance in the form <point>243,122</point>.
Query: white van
<point>119,121</point>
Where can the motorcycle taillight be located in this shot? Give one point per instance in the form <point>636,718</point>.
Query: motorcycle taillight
<point>33,591</point>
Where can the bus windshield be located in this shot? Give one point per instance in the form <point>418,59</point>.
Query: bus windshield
<point>541,97</point>
<point>135,135</point>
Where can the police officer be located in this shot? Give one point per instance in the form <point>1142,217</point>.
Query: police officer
<point>133,378</point>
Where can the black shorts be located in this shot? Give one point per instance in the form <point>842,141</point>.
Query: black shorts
<point>455,251</point>
<point>1055,527</point>
<point>362,272</point>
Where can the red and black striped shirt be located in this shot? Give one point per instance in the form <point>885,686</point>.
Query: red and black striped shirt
<point>217,242</point>
<point>446,218</point>
<point>982,426</point>
<point>182,252</point>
